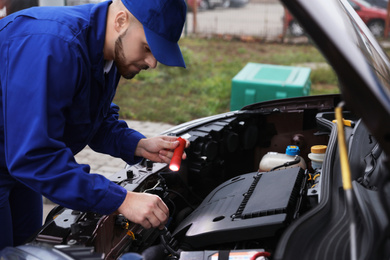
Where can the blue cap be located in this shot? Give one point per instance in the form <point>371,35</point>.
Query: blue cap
<point>292,150</point>
<point>163,22</point>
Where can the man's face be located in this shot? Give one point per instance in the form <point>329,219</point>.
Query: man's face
<point>132,52</point>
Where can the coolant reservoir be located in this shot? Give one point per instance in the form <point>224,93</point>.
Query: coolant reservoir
<point>317,156</point>
<point>273,159</point>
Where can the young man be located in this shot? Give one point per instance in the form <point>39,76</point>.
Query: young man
<point>60,67</point>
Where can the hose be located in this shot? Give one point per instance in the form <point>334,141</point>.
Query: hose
<point>295,161</point>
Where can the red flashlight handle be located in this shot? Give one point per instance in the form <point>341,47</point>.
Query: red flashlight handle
<point>178,153</point>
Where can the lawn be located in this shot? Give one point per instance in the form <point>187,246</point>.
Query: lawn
<point>176,95</point>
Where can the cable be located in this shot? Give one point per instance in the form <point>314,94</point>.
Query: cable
<point>295,161</point>
<point>153,188</point>
<point>346,178</point>
<point>194,195</point>
<point>164,235</point>
<point>181,196</point>
<point>316,176</point>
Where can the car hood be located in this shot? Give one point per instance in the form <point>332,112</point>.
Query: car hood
<point>357,58</point>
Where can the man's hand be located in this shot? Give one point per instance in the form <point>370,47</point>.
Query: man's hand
<point>145,209</point>
<point>159,148</point>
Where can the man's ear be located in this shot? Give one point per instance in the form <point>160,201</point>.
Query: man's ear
<point>121,21</point>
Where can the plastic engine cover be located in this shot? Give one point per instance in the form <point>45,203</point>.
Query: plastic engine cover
<point>249,206</point>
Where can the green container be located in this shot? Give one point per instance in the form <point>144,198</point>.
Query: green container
<point>261,82</point>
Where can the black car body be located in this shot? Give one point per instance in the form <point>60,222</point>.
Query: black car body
<point>221,205</point>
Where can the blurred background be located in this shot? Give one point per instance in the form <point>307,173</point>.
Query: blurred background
<point>265,19</point>
<point>219,39</point>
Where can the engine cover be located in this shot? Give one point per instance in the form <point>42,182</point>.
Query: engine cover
<point>249,206</point>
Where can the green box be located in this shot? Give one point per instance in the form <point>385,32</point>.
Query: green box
<point>261,82</point>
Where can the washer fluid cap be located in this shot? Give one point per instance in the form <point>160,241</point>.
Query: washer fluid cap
<point>318,148</point>
<point>292,150</point>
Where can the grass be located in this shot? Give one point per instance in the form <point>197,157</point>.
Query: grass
<point>176,95</point>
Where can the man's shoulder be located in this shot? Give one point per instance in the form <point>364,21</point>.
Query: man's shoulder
<point>65,22</point>
<point>47,20</point>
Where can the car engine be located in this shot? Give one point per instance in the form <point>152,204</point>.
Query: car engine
<point>221,204</point>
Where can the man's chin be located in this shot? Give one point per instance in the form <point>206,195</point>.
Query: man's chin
<point>129,75</point>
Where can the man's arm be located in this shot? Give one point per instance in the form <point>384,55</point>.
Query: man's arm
<point>38,86</point>
<point>115,138</point>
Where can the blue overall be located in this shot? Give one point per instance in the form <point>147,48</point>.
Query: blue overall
<point>55,100</point>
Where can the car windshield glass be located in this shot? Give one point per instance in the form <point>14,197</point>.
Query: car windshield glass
<point>374,55</point>
<point>364,3</point>
<point>355,6</point>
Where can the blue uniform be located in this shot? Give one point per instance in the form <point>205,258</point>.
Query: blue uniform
<point>55,100</point>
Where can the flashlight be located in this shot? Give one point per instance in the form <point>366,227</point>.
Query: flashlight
<point>177,154</point>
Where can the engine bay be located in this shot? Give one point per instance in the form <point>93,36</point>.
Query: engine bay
<point>220,201</point>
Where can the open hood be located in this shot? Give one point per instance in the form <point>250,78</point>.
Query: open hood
<point>362,67</point>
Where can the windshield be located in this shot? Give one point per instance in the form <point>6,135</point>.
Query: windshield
<point>362,2</point>
<point>374,55</point>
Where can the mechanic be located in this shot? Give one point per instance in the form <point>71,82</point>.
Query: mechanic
<point>60,67</point>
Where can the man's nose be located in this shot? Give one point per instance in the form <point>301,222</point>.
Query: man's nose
<point>151,61</point>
